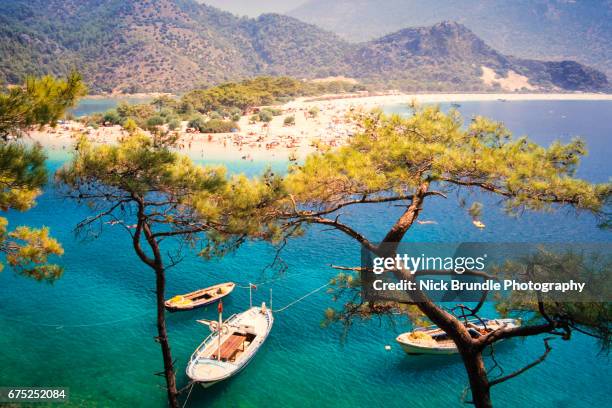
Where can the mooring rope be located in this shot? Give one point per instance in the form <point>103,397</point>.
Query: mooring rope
<point>269,281</point>
<point>300,299</point>
<point>189,394</point>
<point>72,326</point>
<point>68,326</point>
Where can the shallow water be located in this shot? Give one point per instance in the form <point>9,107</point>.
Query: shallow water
<point>87,106</point>
<point>92,331</point>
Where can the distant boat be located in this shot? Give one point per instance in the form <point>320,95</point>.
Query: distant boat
<point>231,347</point>
<point>200,297</point>
<point>502,100</point>
<point>433,340</point>
<point>478,224</point>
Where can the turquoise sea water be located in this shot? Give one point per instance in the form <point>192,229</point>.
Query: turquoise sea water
<point>92,331</point>
<point>95,105</point>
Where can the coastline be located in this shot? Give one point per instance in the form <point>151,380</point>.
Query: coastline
<point>393,98</point>
<point>399,97</point>
<point>139,95</point>
<point>277,142</point>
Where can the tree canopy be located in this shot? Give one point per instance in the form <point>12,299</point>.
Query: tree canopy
<point>39,101</point>
<point>186,197</point>
<point>157,195</point>
<point>409,160</point>
<point>393,158</point>
<point>258,92</point>
<point>23,172</point>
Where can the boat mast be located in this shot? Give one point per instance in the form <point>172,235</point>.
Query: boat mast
<point>220,310</point>
<point>250,295</point>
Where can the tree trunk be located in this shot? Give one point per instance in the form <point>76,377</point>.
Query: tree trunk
<point>391,241</point>
<point>157,265</point>
<point>472,360</point>
<point>472,357</point>
<point>474,364</point>
<point>479,382</point>
<point>162,337</point>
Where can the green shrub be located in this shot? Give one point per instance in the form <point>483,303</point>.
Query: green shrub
<point>166,113</point>
<point>155,121</point>
<point>218,126</point>
<point>174,124</point>
<point>112,117</point>
<point>273,111</point>
<point>289,121</point>
<point>185,108</point>
<point>196,122</point>
<point>265,116</point>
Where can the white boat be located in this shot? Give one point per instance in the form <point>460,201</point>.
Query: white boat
<point>433,340</point>
<point>478,224</point>
<point>228,350</point>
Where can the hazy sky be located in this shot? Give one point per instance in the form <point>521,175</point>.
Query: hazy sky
<point>254,7</point>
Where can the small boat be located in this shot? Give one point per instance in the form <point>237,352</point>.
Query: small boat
<point>478,224</point>
<point>433,340</point>
<point>230,346</point>
<point>200,297</point>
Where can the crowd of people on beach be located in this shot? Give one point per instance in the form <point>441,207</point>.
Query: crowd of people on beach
<point>312,126</point>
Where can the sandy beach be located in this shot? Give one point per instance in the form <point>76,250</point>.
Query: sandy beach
<point>256,141</point>
<point>398,98</point>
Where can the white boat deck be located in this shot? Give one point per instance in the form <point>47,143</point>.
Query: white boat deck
<point>244,334</point>
<point>211,368</point>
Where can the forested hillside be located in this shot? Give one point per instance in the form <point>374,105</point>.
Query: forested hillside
<point>449,56</point>
<point>175,45</point>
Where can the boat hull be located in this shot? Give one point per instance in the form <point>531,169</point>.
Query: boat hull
<point>174,309</point>
<point>415,350</point>
<point>208,384</point>
<point>412,347</point>
<point>228,288</point>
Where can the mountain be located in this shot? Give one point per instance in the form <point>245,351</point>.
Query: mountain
<point>177,45</point>
<point>136,45</point>
<point>254,8</point>
<point>456,58</point>
<point>542,29</point>
<point>286,46</point>
<point>129,45</point>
